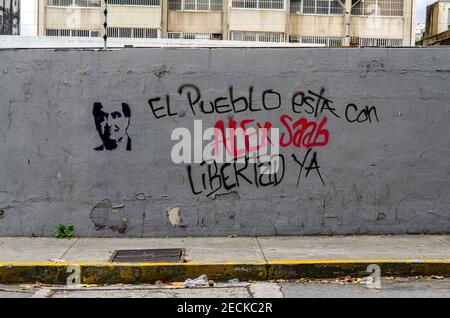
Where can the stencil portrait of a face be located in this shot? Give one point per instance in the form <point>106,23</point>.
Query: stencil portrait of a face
<point>112,122</point>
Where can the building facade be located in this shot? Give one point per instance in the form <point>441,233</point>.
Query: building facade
<point>329,22</point>
<point>438,18</point>
<point>437,26</point>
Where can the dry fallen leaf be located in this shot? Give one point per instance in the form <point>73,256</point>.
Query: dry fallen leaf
<point>30,286</point>
<point>437,277</point>
<point>281,280</point>
<point>57,260</point>
<point>175,285</point>
<point>302,280</point>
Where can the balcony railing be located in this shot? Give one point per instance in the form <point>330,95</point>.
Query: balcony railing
<point>325,40</point>
<point>194,35</point>
<point>136,33</point>
<point>250,36</point>
<point>72,33</point>
<point>380,42</point>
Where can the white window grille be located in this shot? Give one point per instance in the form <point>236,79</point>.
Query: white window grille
<point>72,33</point>
<point>135,2</point>
<point>257,36</point>
<point>74,3</point>
<point>325,40</point>
<point>380,42</point>
<point>196,5</point>
<point>258,4</point>
<point>194,35</point>
<point>316,7</point>
<point>144,33</point>
<point>387,8</point>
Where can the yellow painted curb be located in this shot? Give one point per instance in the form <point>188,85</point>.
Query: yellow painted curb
<point>359,260</point>
<point>134,273</point>
<point>288,269</point>
<point>126,273</point>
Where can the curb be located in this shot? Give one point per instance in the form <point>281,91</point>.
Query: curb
<point>358,268</point>
<point>101,273</point>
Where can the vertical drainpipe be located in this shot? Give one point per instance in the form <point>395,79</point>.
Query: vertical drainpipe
<point>20,18</point>
<point>347,21</point>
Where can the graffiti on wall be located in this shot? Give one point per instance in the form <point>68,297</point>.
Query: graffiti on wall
<point>250,151</point>
<point>112,125</point>
<point>234,153</point>
<point>9,17</point>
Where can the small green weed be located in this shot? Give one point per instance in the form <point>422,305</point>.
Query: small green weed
<point>64,231</point>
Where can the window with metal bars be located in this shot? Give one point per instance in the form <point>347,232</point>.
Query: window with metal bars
<point>257,36</point>
<point>194,35</point>
<point>316,7</point>
<point>71,33</point>
<point>380,42</point>
<point>142,33</point>
<point>196,5</point>
<point>258,4</point>
<point>325,40</point>
<point>387,8</point>
<point>74,3</point>
<point>135,2</point>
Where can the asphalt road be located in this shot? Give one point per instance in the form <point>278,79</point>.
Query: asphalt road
<point>422,287</point>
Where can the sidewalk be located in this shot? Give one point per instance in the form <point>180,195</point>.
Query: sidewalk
<point>51,260</point>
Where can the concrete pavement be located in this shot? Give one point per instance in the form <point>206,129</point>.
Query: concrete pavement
<point>222,258</point>
<point>222,249</point>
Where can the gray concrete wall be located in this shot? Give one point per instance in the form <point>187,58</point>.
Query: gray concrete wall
<point>389,174</point>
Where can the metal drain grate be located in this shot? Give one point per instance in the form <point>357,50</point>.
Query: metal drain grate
<point>168,255</point>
